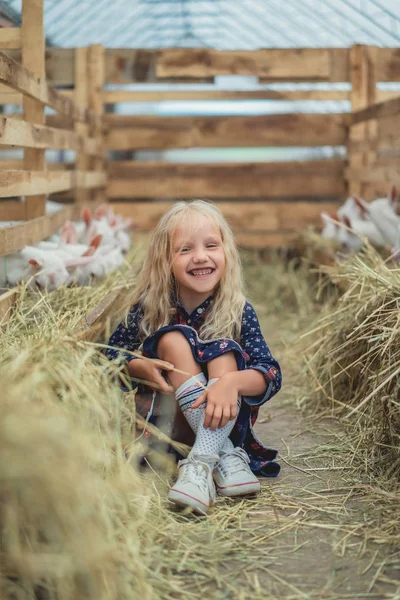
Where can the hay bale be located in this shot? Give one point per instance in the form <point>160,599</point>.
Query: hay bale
<point>354,360</point>
<point>77,518</point>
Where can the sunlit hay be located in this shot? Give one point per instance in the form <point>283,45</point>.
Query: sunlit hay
<point>354,360</point>
<point>78,520</point>
<point>71,505</point>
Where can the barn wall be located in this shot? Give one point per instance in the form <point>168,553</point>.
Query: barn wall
<point>266,202</point>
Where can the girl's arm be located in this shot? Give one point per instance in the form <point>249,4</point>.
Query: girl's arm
<point>256,384</point>
<point>126,337</point>
<point>262,378</point>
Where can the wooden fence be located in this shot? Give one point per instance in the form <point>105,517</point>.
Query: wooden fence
<point>266,202</point>
<point>24,75</point>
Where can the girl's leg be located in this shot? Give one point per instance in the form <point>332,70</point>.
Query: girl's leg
<point>174,348</point>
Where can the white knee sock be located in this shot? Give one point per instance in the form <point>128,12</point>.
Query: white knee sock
<point>207,441</point>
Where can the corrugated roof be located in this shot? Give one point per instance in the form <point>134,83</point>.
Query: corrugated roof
<point>222,24</point>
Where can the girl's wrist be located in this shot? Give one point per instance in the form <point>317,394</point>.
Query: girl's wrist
<point>233,381</point>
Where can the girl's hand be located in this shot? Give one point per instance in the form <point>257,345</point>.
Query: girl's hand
<point>221,398</point>
<point>151,372</point>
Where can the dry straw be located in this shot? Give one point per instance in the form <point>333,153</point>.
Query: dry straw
<point>78,520</point>
<point>354,359</point>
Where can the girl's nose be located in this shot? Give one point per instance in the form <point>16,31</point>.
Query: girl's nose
<point>200,255</point>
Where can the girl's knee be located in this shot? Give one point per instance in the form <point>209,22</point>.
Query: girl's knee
<point>173,339</point>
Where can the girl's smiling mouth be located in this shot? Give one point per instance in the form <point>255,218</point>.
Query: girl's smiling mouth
<point>201,273</point>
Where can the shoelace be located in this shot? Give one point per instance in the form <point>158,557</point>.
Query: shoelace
<point>201,472</point>
<point>234,462</point>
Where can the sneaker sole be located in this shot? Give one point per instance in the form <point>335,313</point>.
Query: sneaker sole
<point>184,499</point>
<point>241,489</point>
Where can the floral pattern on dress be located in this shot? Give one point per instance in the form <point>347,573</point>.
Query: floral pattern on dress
<point>251,353</point>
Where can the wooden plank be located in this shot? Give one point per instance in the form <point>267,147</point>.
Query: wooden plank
<point>10,98</point>
<point>15,238</point>
<point>127,65</point>
<point>363,90</point>
<point>24,81</point>
<point>137,132</point>
<point>387,175</point>
<point>33,60</point>
<point>389,108</point>
<point>252,217</point>
<point>81,98</point>
<point>114,97</point>
<point>10,38</point>
<point>26,135</point>
<point>96,79</point>
<point>12,210</point>
<point>225,180</point>
<point>278,239</point>
<point>310,64</point>
<point>7,303</point>
<point>388,64</point>
<point>29,183</point>
<point>383,95</point>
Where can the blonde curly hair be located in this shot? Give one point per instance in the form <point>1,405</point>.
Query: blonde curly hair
<point>156,286</point>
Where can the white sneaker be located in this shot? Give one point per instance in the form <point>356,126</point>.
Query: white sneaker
<point>195,486</point>
<point>233,476</point>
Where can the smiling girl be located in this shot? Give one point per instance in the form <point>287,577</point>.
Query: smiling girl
<point>188,311</point>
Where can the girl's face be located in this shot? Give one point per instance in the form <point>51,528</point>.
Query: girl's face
<point>198,261</point>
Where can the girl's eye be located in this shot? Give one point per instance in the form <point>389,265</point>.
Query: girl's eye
<point>211,245</point>
<point>185,249</point>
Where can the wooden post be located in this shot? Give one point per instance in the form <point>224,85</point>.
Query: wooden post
<point>81,98</point>
<point>363,94</point>
<point>33,58</point>
<point>96,79</point>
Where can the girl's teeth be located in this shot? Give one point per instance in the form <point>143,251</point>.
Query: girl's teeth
<point>207,272</point>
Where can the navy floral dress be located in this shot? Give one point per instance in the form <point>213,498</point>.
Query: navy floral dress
<point>251,353</point>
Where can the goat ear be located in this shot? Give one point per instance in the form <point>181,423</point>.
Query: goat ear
<point>35,264</point>
<point>393,196</point>
<point>362,206</point>
<point>96,241</point>
<point>347,221</point>
<point>86,215</point>
<point>89,251</point>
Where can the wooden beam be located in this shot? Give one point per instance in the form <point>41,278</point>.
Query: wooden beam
<point>309,64</point>
<point>383,95</point>
<point>389,108</point>
<point>381,174</point>
<point>7,303</point>
<point>96,79</point>
<point>134,133</point>
<point>81,98</point>
<point>31,183</point>
<point>12,210</point>
<point>224,180</point>
<point>10,38</point>
<point>26,135</point>
<point>278,239</point>
<point>24,81</point>
<point>129,65</point>
<point>114,97</point>
<point>388,64</point>
<point>252,217</point>
<point>33,61</point>
<point>15,238</point>
<point>363,79</point>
